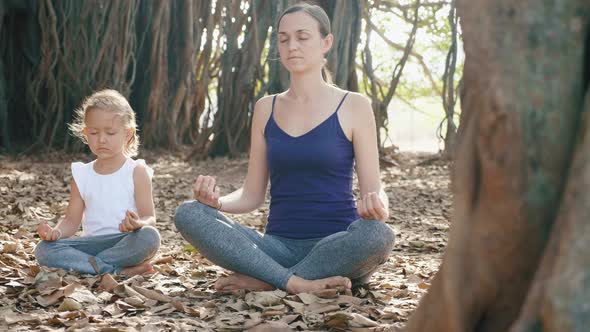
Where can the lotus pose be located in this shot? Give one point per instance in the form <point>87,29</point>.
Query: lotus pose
<point>111,197</point>
<point>308,141</point>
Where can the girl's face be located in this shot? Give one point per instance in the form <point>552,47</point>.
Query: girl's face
<point>105,133</point>
<point>301,46</point>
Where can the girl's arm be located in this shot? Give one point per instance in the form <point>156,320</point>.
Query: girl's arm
<point>252,193</point>
<point>373,203</point>
<point>68,225</point>
<point>146,212</point>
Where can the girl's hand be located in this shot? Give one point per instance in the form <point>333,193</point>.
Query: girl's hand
<point>371,207</point>
<point>206,192</point>
<point>130,223</point>
<point>47,233</point>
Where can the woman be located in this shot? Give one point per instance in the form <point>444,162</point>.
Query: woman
<point>306,140</point>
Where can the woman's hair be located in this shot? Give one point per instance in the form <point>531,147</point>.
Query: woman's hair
<point>110,101</point>
<point>317,13</point>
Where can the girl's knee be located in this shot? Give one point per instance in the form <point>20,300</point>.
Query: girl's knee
<point>150,237</point>
<point>42,252</point>
<point>189,213</point>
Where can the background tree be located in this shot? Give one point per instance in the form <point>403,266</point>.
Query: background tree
<point>191,69</point>
<point>380,93</point>
<point>518,248</point>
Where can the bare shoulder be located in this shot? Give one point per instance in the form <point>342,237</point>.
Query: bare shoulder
<point>357,108</point>
<point>360,104</point>
<point>262,111</point>
<point>264,106</point>
<point>140,173</point>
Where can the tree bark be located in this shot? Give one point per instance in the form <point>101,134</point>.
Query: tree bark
<point>521,113</point>
<point>346,27</point>
<point>240,68</point>
<point>448,95</point>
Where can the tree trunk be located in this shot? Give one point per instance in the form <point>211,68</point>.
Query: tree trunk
<point>380,96</point>
<point>240,69</point>
<point>4,128</point>
<point>346,27</point>
<point>448,94</point>
<point>523,103</point>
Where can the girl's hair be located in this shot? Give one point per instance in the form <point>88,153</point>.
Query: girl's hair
<point>317,13</point>
<point>111,101</point>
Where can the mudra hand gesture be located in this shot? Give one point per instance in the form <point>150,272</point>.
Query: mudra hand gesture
<point>206,191</point>
<point>48,233</point>
<point>370,206</point>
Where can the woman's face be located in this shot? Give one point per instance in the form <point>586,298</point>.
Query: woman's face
<point>301,46</point>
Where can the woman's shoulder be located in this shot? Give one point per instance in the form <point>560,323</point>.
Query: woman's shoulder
<point>263,109</point>
<point>357,105</point>
<point>264,104</point>
<point>357,99</point>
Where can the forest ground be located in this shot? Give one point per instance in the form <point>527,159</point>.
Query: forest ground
<point>180,295</point>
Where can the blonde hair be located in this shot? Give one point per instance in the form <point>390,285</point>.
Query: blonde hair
<point>318,14</point>
<point>111,101</point>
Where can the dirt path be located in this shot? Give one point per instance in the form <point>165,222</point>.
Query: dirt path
<point>179,296</point>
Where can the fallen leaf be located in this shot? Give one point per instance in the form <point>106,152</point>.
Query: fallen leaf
<point>361,321</point>
<point>48,300</point>
<point>298,307</point>
<point>69,304</point>
<point>262,299</point>
<point>338,321</point>
<point>108,283</point>
<point>83,295</point>
<point>164,260</point>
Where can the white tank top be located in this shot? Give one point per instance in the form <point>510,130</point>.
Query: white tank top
<point>106,197</point>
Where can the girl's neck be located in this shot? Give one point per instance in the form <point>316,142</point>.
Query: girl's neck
<point>110,164</point>
<point>306,87</point>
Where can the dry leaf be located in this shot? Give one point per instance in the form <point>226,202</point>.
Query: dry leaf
<point>273,326</point>
<point>107,283</point>
<point>327,293</point>
<point>308,298</point>
<point>69,304</point>
<point>164,260</point>
<point>361,321</point>
<point>150,294</point>
<point>262,299</point>
<point>338,321</point>
<point>83,295</point>
<point>56,296</point>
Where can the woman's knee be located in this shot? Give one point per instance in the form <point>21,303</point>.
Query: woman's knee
<point>189,213</point>
<point>379,236</point>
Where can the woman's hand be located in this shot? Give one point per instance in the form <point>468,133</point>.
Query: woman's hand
<point>206,192</point>
<point>47,233</point>
<point>131,222</point>
<point>370,206</point>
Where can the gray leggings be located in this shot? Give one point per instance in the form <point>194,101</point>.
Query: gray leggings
<point>355,253</point>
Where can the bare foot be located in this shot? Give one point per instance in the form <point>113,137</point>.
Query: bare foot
<point>239,281</point>
<point>297,284</point>
<point>143,268</point>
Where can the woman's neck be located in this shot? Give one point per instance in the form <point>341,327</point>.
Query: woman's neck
<point>307,86</point>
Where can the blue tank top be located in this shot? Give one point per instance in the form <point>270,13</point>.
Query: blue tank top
<point>310,180</point>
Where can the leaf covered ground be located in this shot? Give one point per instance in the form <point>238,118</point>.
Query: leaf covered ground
<point>180,295</point>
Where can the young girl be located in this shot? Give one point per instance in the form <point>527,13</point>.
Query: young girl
<point>307,140</point>
<point>111,196</point>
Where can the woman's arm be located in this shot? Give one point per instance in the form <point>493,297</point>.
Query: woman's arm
<point>252,193</point>
<point>374,203</point>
